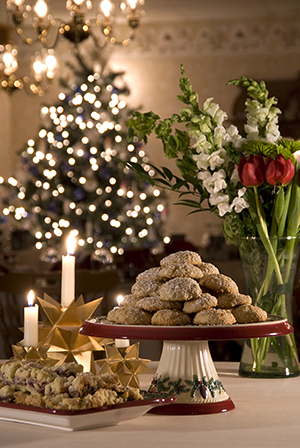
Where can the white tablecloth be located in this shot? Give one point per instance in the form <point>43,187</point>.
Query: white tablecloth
<point>267,414</point>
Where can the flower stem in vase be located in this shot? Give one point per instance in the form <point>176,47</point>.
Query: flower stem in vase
<point>270,266</point>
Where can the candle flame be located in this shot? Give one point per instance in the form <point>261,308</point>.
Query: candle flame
<point>30,298</point>
<point>120,299</point>
<point>71,244</point>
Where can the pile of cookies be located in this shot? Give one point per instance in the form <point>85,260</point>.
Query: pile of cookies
<point>60,387</point>
<point>184,290</point>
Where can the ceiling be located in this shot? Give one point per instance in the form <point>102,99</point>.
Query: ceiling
<point>162,10</point>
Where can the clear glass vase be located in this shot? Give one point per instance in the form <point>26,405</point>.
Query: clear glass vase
<point>270,266</point>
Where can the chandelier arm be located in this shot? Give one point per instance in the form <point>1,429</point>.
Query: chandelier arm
<point>42,35</point>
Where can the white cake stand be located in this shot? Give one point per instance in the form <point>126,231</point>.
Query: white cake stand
<point>186,369</point>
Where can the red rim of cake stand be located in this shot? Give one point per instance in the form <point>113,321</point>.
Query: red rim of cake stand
<point>274,326</point>
<point>193,409</point>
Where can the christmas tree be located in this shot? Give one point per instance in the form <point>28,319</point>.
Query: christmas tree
<point>74,177</point>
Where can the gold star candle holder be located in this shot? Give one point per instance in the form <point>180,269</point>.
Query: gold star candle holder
<point>59,337</point>
<point>125,362</point>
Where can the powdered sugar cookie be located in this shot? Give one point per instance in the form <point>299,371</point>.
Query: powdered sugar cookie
<point>146,288</point>
<point>129,315</point>
<point>208,268</point>
<point>149,274</point>
<point>249,313</point>
<point>183,256</point>
<point>155,303</point>
<point>180,289</point>
<point>180,270</point>
<point>170,317</point>
<point>231,300</point>
<point>129,300</point>
<point>219,283</point>
<point>214,317</point>
<point>204,302</point>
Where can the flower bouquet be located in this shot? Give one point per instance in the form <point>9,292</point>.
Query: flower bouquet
<point>250,181</point>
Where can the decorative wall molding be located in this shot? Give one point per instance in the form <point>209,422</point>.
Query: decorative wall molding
<point>216,37</point>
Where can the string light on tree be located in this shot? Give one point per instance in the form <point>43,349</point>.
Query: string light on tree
<point>73,174</point>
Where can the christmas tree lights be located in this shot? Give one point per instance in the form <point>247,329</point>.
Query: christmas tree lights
<point>74,174</point>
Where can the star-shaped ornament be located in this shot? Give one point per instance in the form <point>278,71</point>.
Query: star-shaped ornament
<point>60,332</point>
<point>125,362</point>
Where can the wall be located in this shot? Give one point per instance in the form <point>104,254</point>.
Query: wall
<point>212,53</point>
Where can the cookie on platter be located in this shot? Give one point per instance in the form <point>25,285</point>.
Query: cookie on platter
<point>155,303</point>
<point>129,316</point>
<point>170,318</point>
<point>249,313</point>
<point>205,301</point>
<point>219,283</point>
<point>183,256</point>
<point>214,317</point>
<point>180,289</point>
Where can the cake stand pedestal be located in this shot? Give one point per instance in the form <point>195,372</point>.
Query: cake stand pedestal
<point>186,369</point>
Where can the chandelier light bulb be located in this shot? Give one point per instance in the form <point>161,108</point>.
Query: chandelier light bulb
<point>132,4</point>
<point>50,62</point>
<point>41,9</point>
<point>78,2</point>
<point>106,8</point>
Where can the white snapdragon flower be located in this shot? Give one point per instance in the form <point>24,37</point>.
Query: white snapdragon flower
<point>297,158</point>
<point>202,145</point>
<point>273,133</point>
<point>221,201</point>
<point>219,136</point>
<point>239,203</point>
<point>233,136</point>
<point>212,161</point>
<point>252,132</point>
<point>210,107</point>
<point>234,178</point>
<point>216,182</point>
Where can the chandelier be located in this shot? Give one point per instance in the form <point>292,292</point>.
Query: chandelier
<point>35,25</point>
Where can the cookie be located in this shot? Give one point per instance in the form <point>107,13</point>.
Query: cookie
<point>129,316</point>
<point>146,288</point>
<point>183,256</point>
<point>219,283</point>
<point>180,270</point>
<point>204,302</point>
<point>231,300</point>
<point>170,317</point>
<point>149,274</point>
<point>129,300</point>
<point>249,313</point>
<point>214,317</point>
<point>155,303</point>
<point>208,268</point>
<point>180,289</point>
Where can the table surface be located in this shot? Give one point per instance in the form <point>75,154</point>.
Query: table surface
<point>267,414</point>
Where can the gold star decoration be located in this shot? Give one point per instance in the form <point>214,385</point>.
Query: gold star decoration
<point>38,353</point>
<point>60,332</point>
<point>125,362</point>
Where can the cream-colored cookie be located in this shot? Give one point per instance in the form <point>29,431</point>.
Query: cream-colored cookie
<point>155,303</point>
<point>249,313</point>
<point>214,317</point>
<point>170,317</point>
<point>180,270</point>
<point>219,283</point>
<point>146,288</point>
<point>180,289</point>
<point>129,300</point>
<point>129,316</point>
<point>208,268</point>
<point>231,300</point>
<point>183,256</point>
<point>149,274</point>
<point>204,302</point>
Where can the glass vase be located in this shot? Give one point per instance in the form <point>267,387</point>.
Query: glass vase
<point>270,266</point>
